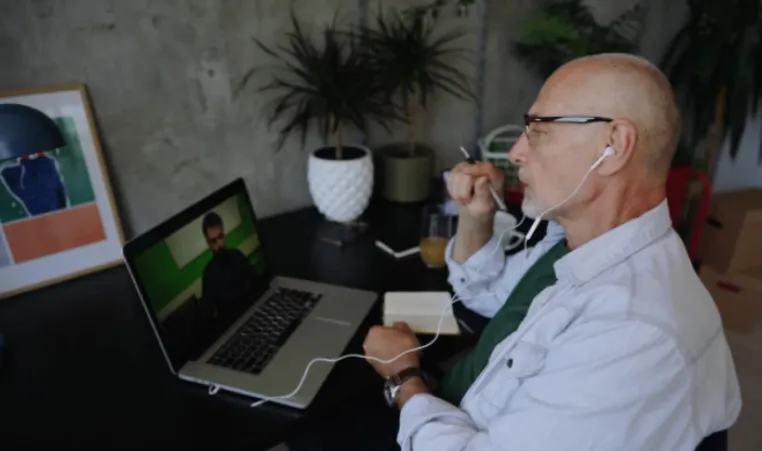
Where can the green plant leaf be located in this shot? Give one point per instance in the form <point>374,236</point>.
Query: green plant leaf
<point>720,47</point>
<point>324,82</point>
<point>741,89</point>
<point>410,60</point>
<point>564,30</point>
<point>244,82</point>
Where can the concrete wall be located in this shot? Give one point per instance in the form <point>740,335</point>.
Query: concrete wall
<point>162,78</point>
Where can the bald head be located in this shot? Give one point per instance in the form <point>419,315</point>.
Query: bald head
<point>621,86</point>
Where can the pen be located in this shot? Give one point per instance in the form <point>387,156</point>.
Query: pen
<point>464,325</point>
<point>498,200</point>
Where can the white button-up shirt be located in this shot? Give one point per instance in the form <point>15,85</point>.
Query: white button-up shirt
<point>625,352</point>
<point>487,278</point>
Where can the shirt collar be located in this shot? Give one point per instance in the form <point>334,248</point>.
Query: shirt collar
<point>614,246</point>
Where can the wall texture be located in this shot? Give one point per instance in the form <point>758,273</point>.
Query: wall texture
<point>162,77</point>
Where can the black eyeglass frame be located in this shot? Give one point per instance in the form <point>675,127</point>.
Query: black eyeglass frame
<point>529,119</point>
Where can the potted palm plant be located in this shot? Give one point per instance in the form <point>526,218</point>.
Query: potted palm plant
<point>715,65</point>
<point>328,86</point>
<point>412,62</point>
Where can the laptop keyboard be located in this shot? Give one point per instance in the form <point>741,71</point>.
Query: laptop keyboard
<point>255,343</point>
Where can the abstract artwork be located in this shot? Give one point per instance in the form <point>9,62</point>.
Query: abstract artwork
<point>57,215</point>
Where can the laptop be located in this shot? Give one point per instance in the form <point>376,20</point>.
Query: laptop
<point>220,315</point>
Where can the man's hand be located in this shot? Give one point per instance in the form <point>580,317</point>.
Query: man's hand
<point>386,343</point>
<point>468,184</point>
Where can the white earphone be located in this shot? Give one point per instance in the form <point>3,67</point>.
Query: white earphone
<point>607,152</point>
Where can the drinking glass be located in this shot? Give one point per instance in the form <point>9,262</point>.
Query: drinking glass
<point>437,230</point>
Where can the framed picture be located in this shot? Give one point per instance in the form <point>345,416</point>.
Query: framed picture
<point>58,219</point>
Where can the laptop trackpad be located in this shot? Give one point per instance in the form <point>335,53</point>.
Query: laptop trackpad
<point>341,311</point>
<point>313,339</point>
<point>322,335</point>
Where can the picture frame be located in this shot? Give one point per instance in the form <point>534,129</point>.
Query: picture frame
<point>58,218</point>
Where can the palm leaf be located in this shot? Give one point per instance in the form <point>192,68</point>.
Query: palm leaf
<point>719,48</point>
<point>411,60</point>
<point>677,48</point>
<point>323,83</point>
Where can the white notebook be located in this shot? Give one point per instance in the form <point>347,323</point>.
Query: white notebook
<point>421,311</point>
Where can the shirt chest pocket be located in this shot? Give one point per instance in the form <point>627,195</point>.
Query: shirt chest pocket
<point>505,377</point>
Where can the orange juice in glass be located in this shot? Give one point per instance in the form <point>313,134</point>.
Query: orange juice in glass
<point>436,232</point>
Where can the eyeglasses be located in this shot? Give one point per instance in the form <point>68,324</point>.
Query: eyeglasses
<point>529,119</point>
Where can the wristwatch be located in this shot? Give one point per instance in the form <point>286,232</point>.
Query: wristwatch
<point>394,383</point>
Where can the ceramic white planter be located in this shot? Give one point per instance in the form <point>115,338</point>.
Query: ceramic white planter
<point>341,189</point>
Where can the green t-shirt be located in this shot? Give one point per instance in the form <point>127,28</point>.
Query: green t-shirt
<point>540,276</point>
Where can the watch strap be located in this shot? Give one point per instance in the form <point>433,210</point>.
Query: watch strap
<point>407,374</point>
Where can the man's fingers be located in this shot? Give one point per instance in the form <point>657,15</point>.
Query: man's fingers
<point>496,178</point>
<point>481,189</point>
<point>476,169</point>
<point>467,182</point>
<point>452,184</point>
<point>459,167</point>
<point>372,336</point>
<point>403,326</point>
<point>462,188</point>
<point>489,170</point>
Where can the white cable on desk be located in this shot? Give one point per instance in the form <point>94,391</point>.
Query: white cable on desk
<point>607,152</point>
<point>455,299</point>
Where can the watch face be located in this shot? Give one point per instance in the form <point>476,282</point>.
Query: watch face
<point>390,392</point>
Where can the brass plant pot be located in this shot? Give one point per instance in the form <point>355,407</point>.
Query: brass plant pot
<point>407,178</point>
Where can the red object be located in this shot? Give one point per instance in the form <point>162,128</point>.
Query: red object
<point>514,195</point>
<point>32,156</point>
<point>678,180</point>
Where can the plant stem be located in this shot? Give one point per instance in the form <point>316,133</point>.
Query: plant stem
<point>410,130</point>
<point>339,141</point>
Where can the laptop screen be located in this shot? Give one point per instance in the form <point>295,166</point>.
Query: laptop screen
<point>199,272</point>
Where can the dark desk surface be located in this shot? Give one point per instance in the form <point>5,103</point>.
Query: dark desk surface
<point>86,369</point>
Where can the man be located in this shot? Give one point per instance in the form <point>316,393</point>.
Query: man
<point>229,276</point>
<point>623,348</point>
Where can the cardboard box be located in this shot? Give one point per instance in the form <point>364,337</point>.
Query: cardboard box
<point>738,296</point>
<point>732,238</point>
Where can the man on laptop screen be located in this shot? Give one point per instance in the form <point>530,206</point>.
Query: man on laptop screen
<point>200,277</point>
<point>223,317</point>
<point>229,275</point>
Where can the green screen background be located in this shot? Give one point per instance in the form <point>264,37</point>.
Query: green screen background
<point>163,280</point>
